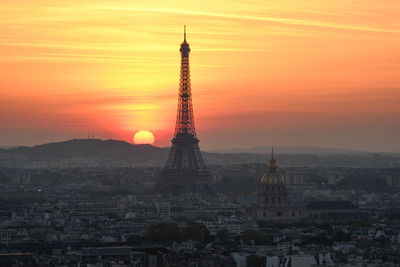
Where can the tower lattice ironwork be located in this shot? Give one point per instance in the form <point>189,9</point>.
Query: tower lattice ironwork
<point>185,170</point>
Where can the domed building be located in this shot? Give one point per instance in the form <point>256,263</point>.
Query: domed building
<point>272,192</point>
<point>272,202</point>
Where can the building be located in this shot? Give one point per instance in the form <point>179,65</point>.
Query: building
<point>163,209</point>
<point>393,178</point>
<point>272,202</point>
<point>272,191</point>
<point>105,256</point>
<point>334,211</point>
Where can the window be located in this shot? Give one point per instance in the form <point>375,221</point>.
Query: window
<point>279,199</point>
<point>279,214</point>
<point>293,213</point>
<point>264,214</point>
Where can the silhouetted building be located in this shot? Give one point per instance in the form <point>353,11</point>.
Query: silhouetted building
<point>185,170</point>
<point>272,197</point>
<point>335,211</point>
<point>393,178</point>
<point>272,192</point>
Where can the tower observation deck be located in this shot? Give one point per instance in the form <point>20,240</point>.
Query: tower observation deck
<point>184,171</point>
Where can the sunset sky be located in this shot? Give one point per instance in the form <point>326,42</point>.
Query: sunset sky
<point>295,73</point>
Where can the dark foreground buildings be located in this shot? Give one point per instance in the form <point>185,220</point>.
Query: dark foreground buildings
<point>185,170</point>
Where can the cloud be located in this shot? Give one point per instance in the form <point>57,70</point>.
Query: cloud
<point>288,21</point>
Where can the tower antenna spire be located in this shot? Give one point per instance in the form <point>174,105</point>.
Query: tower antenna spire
<point>184,33</point>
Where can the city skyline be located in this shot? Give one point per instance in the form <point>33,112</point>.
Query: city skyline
<point>322,74</point>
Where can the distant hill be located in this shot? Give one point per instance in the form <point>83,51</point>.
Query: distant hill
<point>7,147</point>
<point>83,152</point>
<point>290,150</point>
<point>87,147</point>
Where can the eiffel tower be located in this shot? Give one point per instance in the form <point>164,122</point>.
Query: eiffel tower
<point>185,171</point>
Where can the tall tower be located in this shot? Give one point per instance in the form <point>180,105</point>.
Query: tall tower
<point>185,171</point>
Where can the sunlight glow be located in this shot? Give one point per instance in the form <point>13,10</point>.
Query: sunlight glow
<point>143,137</point>
<point>112,67</point>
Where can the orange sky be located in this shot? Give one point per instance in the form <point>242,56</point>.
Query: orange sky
<point>307,73</point>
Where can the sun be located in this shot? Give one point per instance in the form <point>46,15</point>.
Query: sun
<point>143,137</point>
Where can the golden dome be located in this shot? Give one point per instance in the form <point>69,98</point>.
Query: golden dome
<point>272,178</point>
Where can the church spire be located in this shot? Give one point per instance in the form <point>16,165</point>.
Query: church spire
<point>184,33</point>
<point>272,164</point>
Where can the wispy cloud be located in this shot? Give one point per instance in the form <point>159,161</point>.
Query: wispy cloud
<point>290,21</point>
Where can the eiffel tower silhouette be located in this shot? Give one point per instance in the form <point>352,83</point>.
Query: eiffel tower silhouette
<point>185,171</point>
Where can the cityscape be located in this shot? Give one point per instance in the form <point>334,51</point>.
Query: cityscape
<point>157,198</point>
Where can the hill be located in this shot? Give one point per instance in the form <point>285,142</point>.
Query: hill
<point>295,150</point>
<point>83,152</point>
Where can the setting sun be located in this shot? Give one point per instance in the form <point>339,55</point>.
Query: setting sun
<point>143,137</point>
